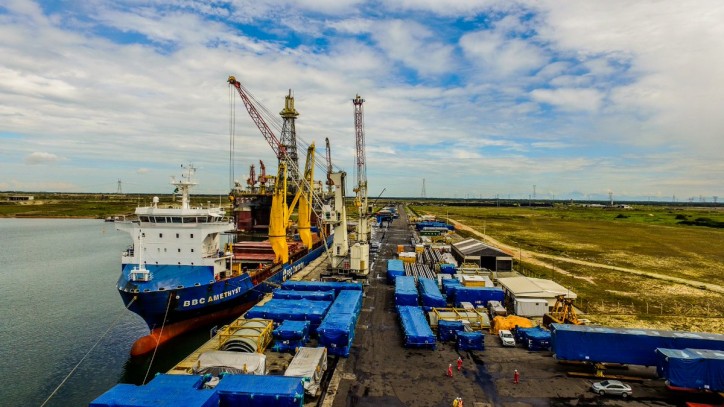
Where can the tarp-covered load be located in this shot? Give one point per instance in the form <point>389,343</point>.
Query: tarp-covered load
<point>260,391</point>
<point>447,268</point>
<point>309,364</point>
<point>303,295</point>
<point>510,322</point>
<point>415,326</point>
<point>164,390</point>
<point>478,296</point>
<point>291,310</point>
<point>448,330</point>
<point>290,335</point>
<point>320,286</point>
<point>215,362</point>
<point>448,287</point>
<point>395,268</point>
<point>405,291</point>
<point>699,369</point>
<point>430,293</point>
<point>534,338</point>
<point>337,329</point>
<point>622,345</point>
<point>471,341</point>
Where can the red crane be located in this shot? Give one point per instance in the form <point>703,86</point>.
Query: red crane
<point>273,141</point>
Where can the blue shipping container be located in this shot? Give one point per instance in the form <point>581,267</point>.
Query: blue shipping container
<point>261,391</point>
<point>405,291</point>
<point>698,369</point>
<point>478,295</point>
<point>430,293</point>
<point>417,331</point>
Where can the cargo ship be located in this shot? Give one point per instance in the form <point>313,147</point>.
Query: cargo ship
<point>178,275</point>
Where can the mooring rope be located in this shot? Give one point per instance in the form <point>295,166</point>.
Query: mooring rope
<point>160,335</point>
<point>88,353</point>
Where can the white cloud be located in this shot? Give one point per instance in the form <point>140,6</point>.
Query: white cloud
<point>143,171</point>
<point>40,157</point>
<point>502,56</point>
<point>569,98</point>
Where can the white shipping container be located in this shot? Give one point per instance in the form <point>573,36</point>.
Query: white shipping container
<point>530,307</point>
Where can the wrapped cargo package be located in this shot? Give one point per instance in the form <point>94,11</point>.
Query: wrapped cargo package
<point>622,345</point>
<point>260,391</point>
<point>292,310</point>
<point>698,369</point>
<point>216,362</point>
<point>470,341</point>
<point>448,287</point>
<point>320,286</point>
<point>336,331</point>
<point>290,335</point>
<point>478,296</point>
<point>534,338</point>
<point>303,295</point>
<point>395,268</point>
<point>448,330</point>
<point>309,364</point>
<point>163,390</point>
<point>447,268</point>
<point>430,293</point>
<point>511,322</point>
<point>417,331</point>
<point>405,291</point>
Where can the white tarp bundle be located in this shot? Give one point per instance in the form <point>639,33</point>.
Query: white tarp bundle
<point>218,361</point>
<point>309,363</point>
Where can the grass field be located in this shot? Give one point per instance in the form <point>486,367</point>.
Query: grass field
<point>649,239</point>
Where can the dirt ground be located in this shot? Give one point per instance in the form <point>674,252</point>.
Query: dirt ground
<point>381,372</point>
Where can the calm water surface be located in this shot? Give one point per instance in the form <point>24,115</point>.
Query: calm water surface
<point>57,299</point>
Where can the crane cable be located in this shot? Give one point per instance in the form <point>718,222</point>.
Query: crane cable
<point>88,353</point>
<point>160,335</point>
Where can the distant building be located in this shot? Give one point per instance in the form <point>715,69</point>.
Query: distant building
<point>475,251</point>
<point>21,198</point>
<point>527,289</point>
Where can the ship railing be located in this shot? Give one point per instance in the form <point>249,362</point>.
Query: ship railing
<point>128,252</point>
<point>140,274</point>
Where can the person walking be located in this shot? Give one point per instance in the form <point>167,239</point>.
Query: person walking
<point>449,370</point>
<point>516,376</point>
<point>460,363</point>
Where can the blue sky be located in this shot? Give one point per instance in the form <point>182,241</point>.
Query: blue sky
<point>477,97</point>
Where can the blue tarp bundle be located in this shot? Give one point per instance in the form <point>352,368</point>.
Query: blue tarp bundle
<point>428,224</point>
<point>337,329</point>
<point>303,295</point>
<point>471,341</point>
<point>417,330</point>
<point>291,310</point>
<point>449,285</point>
<point>260,391</point>
<point>163,390</point>
<point>478,295</point>
<point>430,293</point>
<point>620,345</point>
<point>448,330</point>
<point>447,268</point>
<point>320,286</point>
<point>405,291</point>
<point>536,338</point>
<point>290,335</point>
<point>395,268</point>
<point>699,369</point>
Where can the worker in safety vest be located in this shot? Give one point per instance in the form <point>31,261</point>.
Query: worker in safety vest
<point>449,370</point>
<point>460,363</point>
<point>516,376</point>
<point>458,402</point>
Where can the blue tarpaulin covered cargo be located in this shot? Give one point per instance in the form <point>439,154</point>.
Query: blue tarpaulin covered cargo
<point>405,291</point>
<point>447,268</point>
<point>303,295</point>
<point>448,287</point>
<point>448,330</point>
<point>478,295</point>
<point>417,330</point>
<point>471,341</point>
<point>699,369</point>
<point>337,329</point>
<point>261,391</point>
<point>291,310</point>
<point>320,286</point>
<point>290,335</point>
<point>431,224</point>
<point>622,345</point>
<point>163,390</point>
<point>430,293</point>
<point>535,338</point>
<point>395,268</point>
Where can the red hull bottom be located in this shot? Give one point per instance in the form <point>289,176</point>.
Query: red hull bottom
<point>159,336</point>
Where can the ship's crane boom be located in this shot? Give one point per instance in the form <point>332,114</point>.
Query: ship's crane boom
<point>330,183</point>
<point>272,139</point>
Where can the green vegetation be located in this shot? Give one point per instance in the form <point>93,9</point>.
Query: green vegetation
<point>651,239</point>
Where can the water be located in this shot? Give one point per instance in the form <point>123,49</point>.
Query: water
<point>57,299</point>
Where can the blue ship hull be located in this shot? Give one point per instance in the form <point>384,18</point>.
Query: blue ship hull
<point>186,293</point>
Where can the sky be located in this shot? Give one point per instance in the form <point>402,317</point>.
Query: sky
<point>557,99</point>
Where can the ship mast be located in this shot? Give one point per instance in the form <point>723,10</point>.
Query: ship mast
<point>184,185</point>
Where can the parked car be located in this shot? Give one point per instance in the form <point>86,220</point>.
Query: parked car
<point>506,337</point>
<point>614,387</point>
